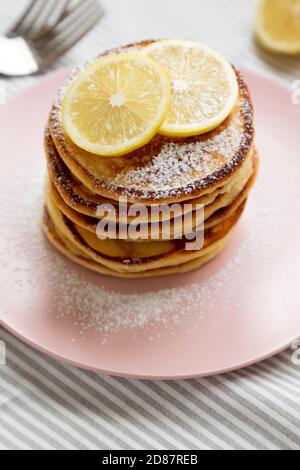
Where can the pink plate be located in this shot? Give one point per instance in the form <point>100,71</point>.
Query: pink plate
<point>239,309</point>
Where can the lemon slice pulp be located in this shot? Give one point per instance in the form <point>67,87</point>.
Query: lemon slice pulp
<point>116,104</point>
<point>204,86</point>
<point>278,25</point>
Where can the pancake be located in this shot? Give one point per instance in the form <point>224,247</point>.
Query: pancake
<point>127,256</point>
<point>166,170</point>
<point>79,198</point>
<point>220,209</point>
<point>170,177</point>
<point>69,250</point>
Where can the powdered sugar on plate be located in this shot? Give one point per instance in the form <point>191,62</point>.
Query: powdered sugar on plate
<point>87,303</point>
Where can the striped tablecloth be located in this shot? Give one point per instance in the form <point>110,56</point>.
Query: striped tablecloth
<point>47,405</point>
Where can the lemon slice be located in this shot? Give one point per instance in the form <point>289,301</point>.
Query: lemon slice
<point>278,25</point>
<point>204,86</point>
<point>117,104</point>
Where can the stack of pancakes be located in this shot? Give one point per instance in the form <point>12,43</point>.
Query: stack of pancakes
<point>216,170</point>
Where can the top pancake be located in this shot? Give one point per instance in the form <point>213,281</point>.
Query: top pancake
<point>167,169</point>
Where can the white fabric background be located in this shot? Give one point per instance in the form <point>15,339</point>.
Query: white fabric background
<point>46,405</point>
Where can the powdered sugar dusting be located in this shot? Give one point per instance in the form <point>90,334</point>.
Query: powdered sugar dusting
<point>36,267</point>
<point>36,270</point>
<point>32,269</point>
<point>176,164</point>
<point>168,168</point>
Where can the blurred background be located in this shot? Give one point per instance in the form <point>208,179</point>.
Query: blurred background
<point>225,25</point>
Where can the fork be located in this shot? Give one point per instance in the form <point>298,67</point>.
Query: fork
<point>46,30</point>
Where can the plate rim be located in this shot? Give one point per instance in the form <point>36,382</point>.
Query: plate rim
<point>148,377</point>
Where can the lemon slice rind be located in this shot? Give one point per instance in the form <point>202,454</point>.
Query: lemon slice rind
<point>271,43</point>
